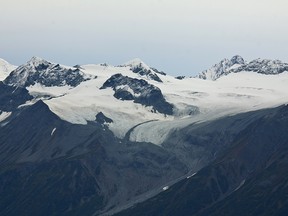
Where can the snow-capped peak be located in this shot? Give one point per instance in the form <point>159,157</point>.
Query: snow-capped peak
<point>237,59</point>
<point>237,64</point>
<point>35,60</point>
<point>38,70</point>
<point>222,68</point>
<point>5,69</point>
<point>263,66</point>
<point>137,62</point>
<point>138,66</point>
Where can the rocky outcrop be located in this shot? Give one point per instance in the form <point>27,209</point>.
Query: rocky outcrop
<point>139,91</point>
<point>40,71</point>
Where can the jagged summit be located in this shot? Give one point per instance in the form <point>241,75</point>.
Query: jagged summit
<point>237,59</point>
<point>224,67</point>
<point>138,66</point>
<point>38,70</point>
<point>135,63</point>
<point>35,59</point>
<point>237,64</point>
<point>263,66</point>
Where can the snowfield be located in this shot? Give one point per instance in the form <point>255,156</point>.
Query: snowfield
<point>228,95</point>
<point>194,100</point>
<point>4,115</point>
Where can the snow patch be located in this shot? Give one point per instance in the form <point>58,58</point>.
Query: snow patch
<point>241,184</point>
<point>53,131</point>
<point>191,175</point>
<point>165,188</point>
<point>4,115</point>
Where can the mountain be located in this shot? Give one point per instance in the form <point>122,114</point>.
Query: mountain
<point>5,69</point>
<point>63,168</point>
<point>38,70</point>
<point>139,67</point>
<point>140,91</point>
<point>237,64</point>
<point>11,97</point>
<point>250,173</point>
<point>224,67</point>
<point>263,66</point>
<point>96,139</point>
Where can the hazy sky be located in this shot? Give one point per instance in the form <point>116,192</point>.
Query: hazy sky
<point>180,37</point>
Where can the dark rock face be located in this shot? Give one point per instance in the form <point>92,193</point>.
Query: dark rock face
<point>51,167</point>
<point>101,118</point>
<point>159,72</point>
<point>143,71</point>
<point>221,69</point>
<point>62,187</point>
<point>140,91</point>
<point>180,77</point>
<point>248,178</point>
<point>48,74</point>
<point>237,60</point>
<point>11,97</point>
<point>263,66</point>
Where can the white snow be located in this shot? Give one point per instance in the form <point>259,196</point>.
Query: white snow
<point>39,90</point>
<point>231,94</point>
<point>228,95</point>
<point>240,185</point>
<point>165,188</point>
<point>82,103</point>
<point>126,88</point>
<point>136,63</point>
<point>191,175</point>
<point>5,69</point>
<point>4,115</point>
<point>53,131</point>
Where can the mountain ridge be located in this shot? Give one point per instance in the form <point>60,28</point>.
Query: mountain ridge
<point>46,73</point>
<point>94,139</point>
<point>237,64</point>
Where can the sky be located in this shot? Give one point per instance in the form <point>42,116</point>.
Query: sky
<point>179,37</point>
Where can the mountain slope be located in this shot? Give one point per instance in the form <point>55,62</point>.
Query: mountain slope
<point>237,64</point>
<point>5,69</point>
<point>190,98</point>
<point>139,67</point>
<point>11,97</point>
<point>224,67</point>
<point>96,139</point>
<point>263,66</point>
<point>251,173</point>
<point>140,91</point>
<point>65,168</point>
<point>38,70</point>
